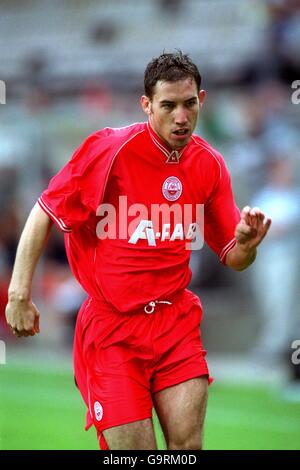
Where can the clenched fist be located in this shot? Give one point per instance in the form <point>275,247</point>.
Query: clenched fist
<point>22,316</point>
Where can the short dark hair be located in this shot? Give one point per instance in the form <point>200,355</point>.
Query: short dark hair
<point>170,68</point>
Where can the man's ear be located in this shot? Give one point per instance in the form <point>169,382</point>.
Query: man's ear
<point>146,104</point>
<point>202,95</point>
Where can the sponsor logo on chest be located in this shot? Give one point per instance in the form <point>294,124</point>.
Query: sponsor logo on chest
<point>153,223</point>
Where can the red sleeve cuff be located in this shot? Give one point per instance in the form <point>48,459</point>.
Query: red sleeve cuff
<point>226,249</point>
<point>59,222</point>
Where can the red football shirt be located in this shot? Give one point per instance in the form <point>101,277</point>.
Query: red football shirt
<point>129,207</point>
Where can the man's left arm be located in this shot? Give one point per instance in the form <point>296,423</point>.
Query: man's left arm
<point>249,233</point>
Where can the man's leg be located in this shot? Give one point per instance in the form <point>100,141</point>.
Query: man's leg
<point>138,435</point>
<point>181,412</point>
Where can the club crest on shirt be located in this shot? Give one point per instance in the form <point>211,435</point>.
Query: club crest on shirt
<point>172,188</point>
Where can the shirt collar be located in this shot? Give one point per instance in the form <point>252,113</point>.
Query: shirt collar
<point>173,156</point>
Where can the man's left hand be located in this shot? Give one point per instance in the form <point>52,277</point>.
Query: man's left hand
<point>252,228</point>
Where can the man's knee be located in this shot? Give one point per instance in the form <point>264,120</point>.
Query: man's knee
<point>138,435</point>
<point>185,445</point>
<point>192,442</point>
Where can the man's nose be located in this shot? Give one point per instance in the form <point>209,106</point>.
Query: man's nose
<point>181,116</point>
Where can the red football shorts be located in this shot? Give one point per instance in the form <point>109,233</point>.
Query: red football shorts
<point>122,359</point>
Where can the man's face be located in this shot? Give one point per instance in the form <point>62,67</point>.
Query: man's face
<point>173,110</point>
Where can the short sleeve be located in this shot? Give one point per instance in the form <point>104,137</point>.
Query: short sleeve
<point>73,193</point>
<point>221,215</point>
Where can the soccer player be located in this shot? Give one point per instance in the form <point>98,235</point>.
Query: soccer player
<point>129,202</point>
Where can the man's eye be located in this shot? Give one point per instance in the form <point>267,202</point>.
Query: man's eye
<point>191,104</point>
<point>167,106</point>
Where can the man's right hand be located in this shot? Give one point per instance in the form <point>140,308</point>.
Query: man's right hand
<point>23,317</point>
<point>21,314</point>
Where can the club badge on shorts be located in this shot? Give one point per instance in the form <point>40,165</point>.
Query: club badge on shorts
<point>172,188</point>
<point>98,411</point>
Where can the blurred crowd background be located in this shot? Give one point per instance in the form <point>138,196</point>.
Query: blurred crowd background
<point>74,66</point>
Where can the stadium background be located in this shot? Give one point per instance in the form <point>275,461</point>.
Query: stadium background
<point>73,66</point>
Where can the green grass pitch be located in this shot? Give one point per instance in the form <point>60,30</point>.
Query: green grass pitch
<point>40,408</point>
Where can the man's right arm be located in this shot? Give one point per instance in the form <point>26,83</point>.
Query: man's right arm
<point>21,314</point>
